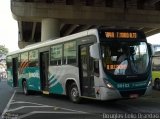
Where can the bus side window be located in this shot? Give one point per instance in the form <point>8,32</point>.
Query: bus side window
<point>56,55</point>
<point>96,68</point>
<point>70,53</point>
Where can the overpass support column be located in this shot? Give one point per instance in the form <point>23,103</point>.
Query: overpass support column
<point>50,29</point>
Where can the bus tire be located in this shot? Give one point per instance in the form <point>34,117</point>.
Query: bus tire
<point>25,88</point>
<point>74,93</point>
<point>157,84</point>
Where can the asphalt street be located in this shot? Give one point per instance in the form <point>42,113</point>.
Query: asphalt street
<point>5,95</point>
<point>38,106</point>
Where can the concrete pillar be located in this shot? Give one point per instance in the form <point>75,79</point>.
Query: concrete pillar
<point>50,29</point>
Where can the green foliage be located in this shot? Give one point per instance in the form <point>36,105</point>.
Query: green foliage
<point>3,50</point>
<point>155,74</point>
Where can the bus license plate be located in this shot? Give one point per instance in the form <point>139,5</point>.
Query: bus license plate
<point>133,96</point>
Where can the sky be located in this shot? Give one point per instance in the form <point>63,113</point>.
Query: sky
<point>9,28</point>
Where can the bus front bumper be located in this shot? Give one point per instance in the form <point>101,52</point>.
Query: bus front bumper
<point>111,94</point>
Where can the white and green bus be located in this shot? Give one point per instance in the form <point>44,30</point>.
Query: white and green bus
<point>85,65</point>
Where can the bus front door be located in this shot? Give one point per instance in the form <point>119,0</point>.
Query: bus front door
<point>86,72</point>
<point>44,62</point>
<point>15,71</point>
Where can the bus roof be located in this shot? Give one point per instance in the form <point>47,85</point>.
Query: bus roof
<point>67,38</point>
<point>54,41</point>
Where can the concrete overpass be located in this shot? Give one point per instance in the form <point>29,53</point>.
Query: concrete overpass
<point>39,20</point>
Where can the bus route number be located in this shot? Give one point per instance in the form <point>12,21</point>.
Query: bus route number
<point>123,85</point>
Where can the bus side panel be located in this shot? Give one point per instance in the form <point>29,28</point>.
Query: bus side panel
<point>10,77</point>
<point>20,81</point>
<point>58,76</point>
<point>34,79</point>
<point>32,76</point>
<point>22,75</point>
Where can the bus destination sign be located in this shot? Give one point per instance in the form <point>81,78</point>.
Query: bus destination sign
<point>123,35</point>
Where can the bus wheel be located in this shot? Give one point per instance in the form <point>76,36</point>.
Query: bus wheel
<point>25,89</point>
<point>157,84</point>
<point>74,93</point>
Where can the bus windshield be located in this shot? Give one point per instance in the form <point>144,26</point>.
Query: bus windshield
<point>125,58</point>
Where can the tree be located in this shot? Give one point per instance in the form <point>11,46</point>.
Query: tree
<point>3,53</point>
<point>3,50</point>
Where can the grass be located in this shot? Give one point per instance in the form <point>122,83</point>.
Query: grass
<point>155,74</point>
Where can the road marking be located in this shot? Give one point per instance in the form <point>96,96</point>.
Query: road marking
<point>19,102</point>
<point>45,112</point>
<point>11,101</point>
<point>7,106</point>
<point>22,107</point>
<point>72,110</point>
<point>42,106</point>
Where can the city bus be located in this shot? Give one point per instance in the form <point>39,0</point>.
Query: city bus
<point>85,65</point>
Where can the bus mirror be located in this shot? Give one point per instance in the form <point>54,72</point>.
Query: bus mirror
<point>94,51</point>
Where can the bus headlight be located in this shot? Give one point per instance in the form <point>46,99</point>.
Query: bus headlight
<point>109,85</point>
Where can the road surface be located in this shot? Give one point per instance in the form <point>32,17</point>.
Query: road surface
<point>38,106</point>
